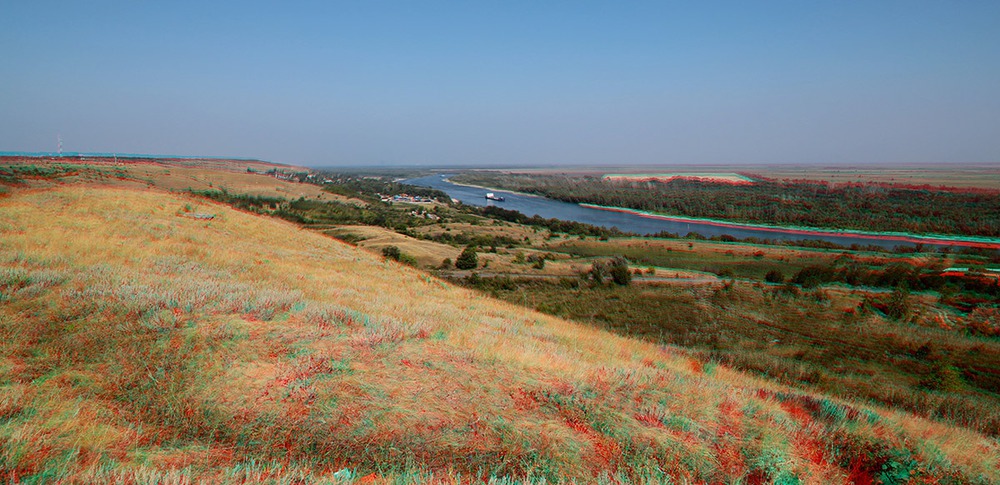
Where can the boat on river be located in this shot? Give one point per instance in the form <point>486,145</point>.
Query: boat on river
<point>492,196</point>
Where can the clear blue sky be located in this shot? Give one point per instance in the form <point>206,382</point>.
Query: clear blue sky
<point>506,82</point>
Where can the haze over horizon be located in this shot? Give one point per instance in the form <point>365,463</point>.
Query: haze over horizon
<point>511,83</point>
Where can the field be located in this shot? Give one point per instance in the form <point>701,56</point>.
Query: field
<point>142,344</point>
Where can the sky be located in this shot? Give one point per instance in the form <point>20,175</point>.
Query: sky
<point>499,83</point>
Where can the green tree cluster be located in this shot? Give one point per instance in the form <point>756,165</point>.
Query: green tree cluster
<point>468,259</point>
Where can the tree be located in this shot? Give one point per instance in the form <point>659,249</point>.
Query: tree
<point>468,259</point>
<point>618,268</point>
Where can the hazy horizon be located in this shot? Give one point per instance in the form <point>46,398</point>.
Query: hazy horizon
<point>513,84</point>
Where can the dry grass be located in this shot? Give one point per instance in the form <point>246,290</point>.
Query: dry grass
<point>140,346</point>
<point>504,229</point>
<point>198,178</point>
<point>374,238</point>
<point>185,175</point>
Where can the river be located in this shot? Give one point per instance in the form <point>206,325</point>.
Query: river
<point>650,224</point>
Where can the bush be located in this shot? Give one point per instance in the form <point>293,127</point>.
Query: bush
<point>618,268</point>
<point>774,276</point>
<point>985,321</point>
<point>537,260</point>
<point>391,252</point>
<point>408,260</point>
<point>569,283</point>
<point>446,263</point>
<point>898,306</point>
<point>598,272</point>
<point>724,272</point>
<point>468,259</point>
<point>813,276</point>
<point>943,376</point>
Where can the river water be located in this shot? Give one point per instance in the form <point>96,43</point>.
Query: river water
<point>647,224</point>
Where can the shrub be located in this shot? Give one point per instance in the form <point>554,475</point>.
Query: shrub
<point>468,259</point>
<point>391,252</point>
<point>813,276</point>
<point>985,321</point>
<point>408,260</point>
<point>445,263</point>
<point>898,306</point>
<point>473,279</point>
<point>598,272</point>
<point>569,283</point>
<point>618,268</point>
<point>774,276</point>
<point>537,260</point>
<point>789,289</point>
<point>943,376</point>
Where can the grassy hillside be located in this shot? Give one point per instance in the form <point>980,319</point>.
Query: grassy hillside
<point>139,344</point>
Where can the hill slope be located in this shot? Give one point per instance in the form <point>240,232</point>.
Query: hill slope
<point>138,343</point>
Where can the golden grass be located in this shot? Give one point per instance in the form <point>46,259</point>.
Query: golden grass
<point>506,229</point>
<point>262,332</point>
<point>200,175</point>
<point>198,178</point>
<point>374,238</point>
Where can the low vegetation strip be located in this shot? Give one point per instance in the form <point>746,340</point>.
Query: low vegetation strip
<point>137,346</point>
<point>942,239</point>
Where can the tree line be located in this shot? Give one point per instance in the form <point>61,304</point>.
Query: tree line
<point>873,207</point>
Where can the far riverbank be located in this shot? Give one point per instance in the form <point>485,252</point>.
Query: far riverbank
<point>929,239</point>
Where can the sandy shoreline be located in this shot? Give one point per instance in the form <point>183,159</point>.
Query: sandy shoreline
<point>490,189</point>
